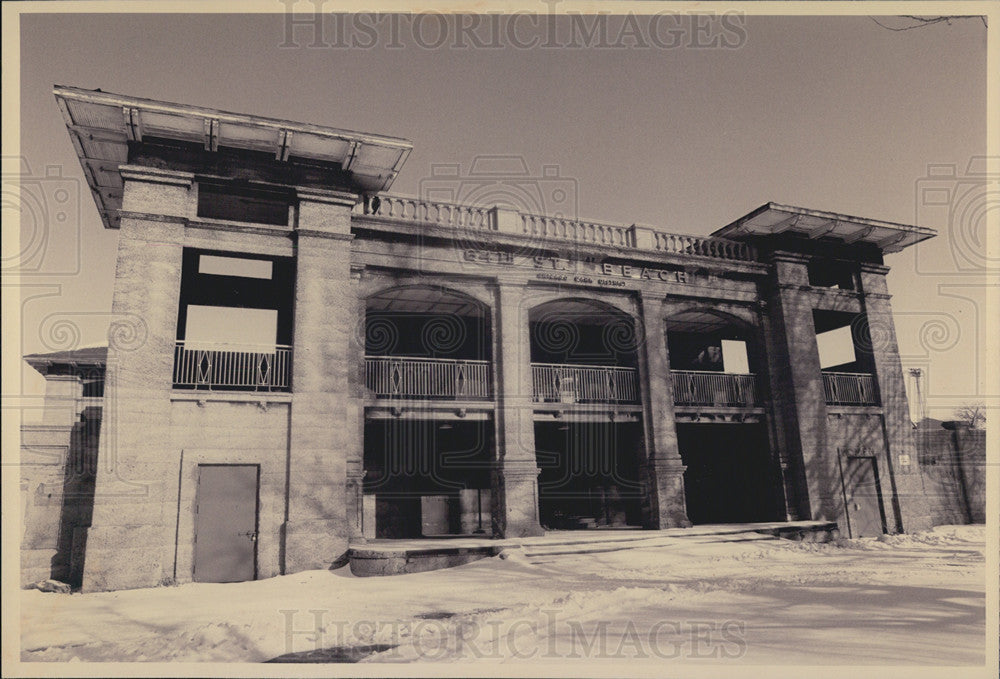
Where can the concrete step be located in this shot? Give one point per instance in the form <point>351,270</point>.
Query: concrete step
<point>393,557</point>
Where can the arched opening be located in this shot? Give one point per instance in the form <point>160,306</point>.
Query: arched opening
<point>584,357</point>
<point>425,342</point>
<point>427,471</point>
<point>583,352</point>
<point>731,474</point>
<point>714,360</point>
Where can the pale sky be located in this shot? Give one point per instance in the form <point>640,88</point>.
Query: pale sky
<point>833,114</point>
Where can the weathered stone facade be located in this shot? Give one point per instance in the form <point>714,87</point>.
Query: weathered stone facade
<point>510,277</point>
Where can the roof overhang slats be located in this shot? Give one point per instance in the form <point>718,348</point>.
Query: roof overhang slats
<point>101,124</point>
<point>772,218</point>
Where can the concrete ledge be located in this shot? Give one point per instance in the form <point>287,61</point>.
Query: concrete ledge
<point>372,562</point>
<point>396,557</point>
<point>818,532</point>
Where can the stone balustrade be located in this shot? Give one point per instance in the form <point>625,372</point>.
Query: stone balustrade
<point>545,228</point>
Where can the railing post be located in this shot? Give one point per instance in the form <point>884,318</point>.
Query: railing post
<point>643,237</point>
<point>505,221</point>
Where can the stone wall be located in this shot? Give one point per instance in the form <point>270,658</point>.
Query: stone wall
<point>234,430</point>
<point>856,432</point>
<point>57,495</point>
<point>952,473</point>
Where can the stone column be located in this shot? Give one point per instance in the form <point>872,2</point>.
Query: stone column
<point>908,499</point>
<point>663,469</point>
<point>130,541</point>
<point>797,390</point>
<point>321,432</point>
<point>515,477</point>
<point>356,413</point>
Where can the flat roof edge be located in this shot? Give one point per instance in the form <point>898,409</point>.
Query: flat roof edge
<point>112,99</point>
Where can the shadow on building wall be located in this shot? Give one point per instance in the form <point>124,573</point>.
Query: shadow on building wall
<point>952,467</point>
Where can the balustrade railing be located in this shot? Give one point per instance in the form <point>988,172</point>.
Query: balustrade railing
<point>402,208</point>
<point>561,228</point>
<point>233,367</point>
<point>562,383</point>
<point>849,389</point>
<point>718,248</point>
<point>433,212</point>
<point>706,388</point>
<point>424,378</point>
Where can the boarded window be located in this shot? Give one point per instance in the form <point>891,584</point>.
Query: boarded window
<point>235,266</point>
<point>231,328</point>
<point>243,204</point>
<point>836,348</point>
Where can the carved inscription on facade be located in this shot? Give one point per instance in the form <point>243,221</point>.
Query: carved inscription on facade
<point>561,270</point>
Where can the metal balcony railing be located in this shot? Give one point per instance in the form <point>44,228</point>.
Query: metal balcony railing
<point>562,383</point>
<point>706,388</point>
<point>233,367</point>
<point>425,378</point>
<point>849,389</point>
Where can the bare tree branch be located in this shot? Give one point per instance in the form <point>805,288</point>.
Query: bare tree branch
<point>926,21</point>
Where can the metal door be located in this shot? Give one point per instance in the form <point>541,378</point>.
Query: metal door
<point>865,514</point>
<point>225,523</point>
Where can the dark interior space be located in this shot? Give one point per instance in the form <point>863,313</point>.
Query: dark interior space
<point>589,474</point>
<point>427,335</point>
<point>243,292</point>
<point>698,350</point>
<point>244,203</point>
<point>428,476</point>
<point>730,477</point>
<point>582,333</point>
<point>694,341</point>
<point>832,273</point>
<point>427,322</point>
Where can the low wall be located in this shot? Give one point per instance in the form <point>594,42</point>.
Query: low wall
<point>952,467</point>
<point>58,463</point>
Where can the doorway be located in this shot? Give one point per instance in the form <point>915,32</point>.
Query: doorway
<point>225,523</point>
<point>589,474</point>
<point>730,476</point>
<point>863,495</point>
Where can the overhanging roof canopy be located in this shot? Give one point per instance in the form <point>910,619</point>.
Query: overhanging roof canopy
<point>81,359</point>
<point>101,124</point>
<point>772,218</point>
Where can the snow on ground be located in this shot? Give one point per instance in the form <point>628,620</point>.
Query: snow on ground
<point>738,598</point>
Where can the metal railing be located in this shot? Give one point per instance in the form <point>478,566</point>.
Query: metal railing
<point>562,383</point>
<point>399,377</point>
<point>706,388</point>
<point>492,218</point>
<point>849,389</point>
<point>233,367</point>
